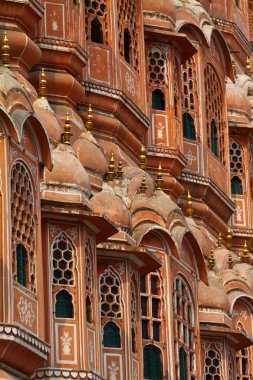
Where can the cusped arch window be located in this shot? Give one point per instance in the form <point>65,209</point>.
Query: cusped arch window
<point>64,305</point>
<point>188,127</point>
<point>152,360</point>
<point>212,369</point>
<point>158,100</point>
<point>96,31</point>
<point>236,186</point>
<point>111,335</point>
<point>63,261</point>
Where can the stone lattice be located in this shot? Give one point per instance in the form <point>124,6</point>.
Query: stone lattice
<point>156,67</point>
<point>110,295</point>
<point>235,152</point>
<point>22,219</point>
<point>212,365</point>
<point>189,86</point>
<point>63,261</point>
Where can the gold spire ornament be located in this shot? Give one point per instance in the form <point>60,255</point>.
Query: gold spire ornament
<point>229,239</point>
<point>143,158</point>
<point>245,253</point>
<point>5,50</point>
<point>111,169</point>
<point>189,208</point>
<point>143,184</point>
<point>42,85</point>
<point>230,260</point>
<point>89,119</point>
<point>67,128</point>
<point>211,260</point>
<point>219,240</point>
<point>159,177</point>
<point>120,170</point>
<point>248,67</point>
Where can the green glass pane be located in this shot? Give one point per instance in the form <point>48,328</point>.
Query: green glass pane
<point>21,264</point>
<point>183,364</point>
<point>111,335</point>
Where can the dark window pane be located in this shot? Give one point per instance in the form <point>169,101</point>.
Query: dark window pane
<point>156,331</point>
<point>144,329</point>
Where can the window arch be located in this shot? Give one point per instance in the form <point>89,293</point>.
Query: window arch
<point>214,112</point>
<point>151,307</point>
<point>188,127</point>
<point>111,335</point>
<point>88,282</point>
<point>96,21</point>
<point>96,31</point>
<point>64,305</point>
<point>183,313</point>
<point>236,186</point>
<point>212,365</point>
<point>128,28</point>
<point>63,261</point>
<point>158,100</point>
<point>23,226</point>
<point>22,264</point>
<point>152,363</point>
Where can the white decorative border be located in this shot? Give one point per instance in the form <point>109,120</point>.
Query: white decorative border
<point>57,344</point>
<point>105,365</point>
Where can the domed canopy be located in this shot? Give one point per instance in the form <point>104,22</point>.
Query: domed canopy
<point>89,153</point>
<point>237,99</point>
<point>67,169</point>
<point>113,207</point>
<point>212,296</point>
<point>163,6</point>
<point>47,117</point>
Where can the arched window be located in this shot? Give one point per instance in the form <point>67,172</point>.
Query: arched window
<point>23,231</point>
<point>63,261</point>
<point>214,112</point>
<point>96,31</point>
<point>236,186</point>
<point>127,46</point>
<point>176,86</point>
<point>96,21</point>
<point>88,282</point>
<point>214,138</point>
<point>183,364</point>
<point>21,264</point>
<point>212,365</point>
<point>151,299</point>
<point>158,100</point>
<point>231,371</point>
<point>183,314</point>
<point>188,127</point>
<point>243,370</point>
<point>152,363</point>
<point>64,306</point>
<point>128,31</point>
<point>111,335</point>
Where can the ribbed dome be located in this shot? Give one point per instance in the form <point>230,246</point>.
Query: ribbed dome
<point>89,153</point>
<point>212,296</point>
<point>47,117</point>
<point>237,99</point>
<point>113,207</point>
<point>67,168</point>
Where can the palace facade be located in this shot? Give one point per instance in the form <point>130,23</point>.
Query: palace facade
<point>126,189</point>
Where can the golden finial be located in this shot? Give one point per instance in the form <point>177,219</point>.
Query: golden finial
<point>67,134</point>
<point>143,184</point>
<point>211,260</point>
<point>42,84</point>
<point>229,239</point>
<point>143,158</point>
<point>230,260</point>
<point>189,208</point>
<point>120,170</point>
<point>219,240</point>
<point>159,177</point>
<point>5,50</point>
<point>89,119</point>
<point>245,253</point>
<point>233,66</point>
<point>248,67</point>
<point>111,168</point>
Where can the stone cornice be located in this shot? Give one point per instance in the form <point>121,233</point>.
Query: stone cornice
<point>59,373</point>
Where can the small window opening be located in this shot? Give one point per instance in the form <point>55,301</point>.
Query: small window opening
<point>127,45</point>
<point>236,186</point>
<point>21,256</point>
<point>158,100</point>
<point>88,310</point>
<point>111,337</point>
<point>64,306</point>
<point>96,31</point>
<point>214,138</point>
<point>188,127</point>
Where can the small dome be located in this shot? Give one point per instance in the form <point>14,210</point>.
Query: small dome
<point>67,169</point>
<point>133,176</point>
<point>214,295</point>
<point>47,117</point>
<point>113,207</point>
<point>89,153</point>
